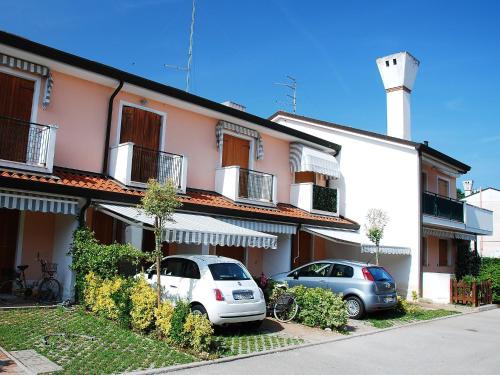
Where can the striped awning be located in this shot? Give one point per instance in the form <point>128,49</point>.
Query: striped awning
<point>388,250</point>
<point>262,226</point>
<point>439,233</point>
<point>238,129</point>
<point>194,229</point>
<point>41,70</point>
<point>308,159</point>
<point>17,200</point>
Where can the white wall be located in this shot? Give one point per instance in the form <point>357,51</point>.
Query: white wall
<point>436,286</point>
<point>65,225</point>
<point>488,246</point>
<point>377,174</point>
<point>278,260</point>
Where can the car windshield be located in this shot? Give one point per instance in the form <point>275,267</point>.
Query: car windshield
<point>380,274</point>
<point>228,271</point>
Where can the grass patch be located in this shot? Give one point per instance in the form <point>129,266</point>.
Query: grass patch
<point>388,318</point>
<point>114,349</point>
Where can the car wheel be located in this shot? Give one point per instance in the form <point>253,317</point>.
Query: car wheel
<point>355,307</point>
<point>198,310</point>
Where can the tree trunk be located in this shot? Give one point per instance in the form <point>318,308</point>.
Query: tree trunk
<point>377,254</point>
<point>158,261</point>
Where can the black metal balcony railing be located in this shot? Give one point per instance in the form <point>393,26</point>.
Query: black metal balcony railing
<point>23,141</point>
<point>255,185</point>
<point>443,207</point>
<point>324,199</point>
<point>162,166</point>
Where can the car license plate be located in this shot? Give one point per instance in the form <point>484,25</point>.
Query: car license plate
<point>242,295</point>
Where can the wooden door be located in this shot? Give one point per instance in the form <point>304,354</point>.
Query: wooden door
<point>16,100</point>
<point>443,253</point>
<point>143,128</point>
<point>236,151</point>
<point>9,220</point>
<point>301,249</point>
<point>234,252</point>
<point>443,187</point>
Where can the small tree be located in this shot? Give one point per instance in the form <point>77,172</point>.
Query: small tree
<point>376,219</point>
<point>159,202</point>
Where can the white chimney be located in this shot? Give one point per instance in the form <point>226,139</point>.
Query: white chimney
<point>398,73</point>
<point>468,185</point>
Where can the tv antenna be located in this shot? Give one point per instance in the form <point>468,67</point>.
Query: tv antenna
<point>292,85</point>
<point>187,68</point>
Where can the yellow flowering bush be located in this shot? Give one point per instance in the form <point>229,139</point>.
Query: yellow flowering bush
<point>163,315</point>
<point>92,285</point>
<point>104,303</point>
<point>143,299</point>
<point>198,332</point>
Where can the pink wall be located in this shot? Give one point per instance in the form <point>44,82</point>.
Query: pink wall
<point>79,108</point>
<point>38,237</point>
<point>432,176</point>
<point>433,257</point>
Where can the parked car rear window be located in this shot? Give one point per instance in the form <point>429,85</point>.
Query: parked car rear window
<point>380,274</point>
<point>228,271</point>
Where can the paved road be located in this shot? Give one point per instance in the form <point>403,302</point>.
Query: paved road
<point>468,344</point>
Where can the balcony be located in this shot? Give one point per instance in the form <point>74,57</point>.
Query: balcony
<point>442,207</point>
<point>246,185</point>
<point>27,145</point>
<point>453,214</point>
<point>134,166</point>
<point>314,198</point>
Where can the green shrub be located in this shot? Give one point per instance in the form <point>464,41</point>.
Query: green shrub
<point>163,315</point>
<point>198,333</point>
<point>404,307</point>
<point>467,261</point>
<point>103,260</point>
<point>143,301</point>
<point>320,307</point>
<point>179,316</point>
<point>490,270</point>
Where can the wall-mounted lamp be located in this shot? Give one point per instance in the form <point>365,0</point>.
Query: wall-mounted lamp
<point>143,101</point>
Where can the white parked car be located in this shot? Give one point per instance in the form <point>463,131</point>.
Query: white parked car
<point>217,286</point>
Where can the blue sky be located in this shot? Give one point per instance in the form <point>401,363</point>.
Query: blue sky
<point>242,47</point>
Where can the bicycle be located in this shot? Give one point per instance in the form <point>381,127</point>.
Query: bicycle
<point>283,305</point>
<point>18,286</point>
<point>50,288</point>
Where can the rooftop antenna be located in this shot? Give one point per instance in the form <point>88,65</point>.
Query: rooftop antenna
<point>292,85</point>
<point>187,68</point>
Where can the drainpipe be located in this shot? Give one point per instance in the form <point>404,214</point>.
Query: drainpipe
<point>81,215</point>
<point>108,129</point>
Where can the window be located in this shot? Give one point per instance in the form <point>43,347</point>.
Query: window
<point>341,270</point>
<point>315,270</point>
<point>172,267</point>
<point>424,181</point>
<point>228,271</point>
<point>443,253</point>
<point>443,187</point>
<point>191,270</point>
<point>380,274</point>
<point>394,61</point>
<point>425,254</point>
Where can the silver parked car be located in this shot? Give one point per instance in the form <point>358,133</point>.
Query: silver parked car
<point>365,287</point>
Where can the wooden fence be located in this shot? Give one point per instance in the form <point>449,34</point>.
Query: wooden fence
<point>474,293</point>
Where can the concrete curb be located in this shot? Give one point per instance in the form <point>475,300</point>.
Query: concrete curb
<point>18,364</point>
<point>187,366</point>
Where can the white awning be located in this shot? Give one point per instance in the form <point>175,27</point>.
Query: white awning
<point>308,159</point>
<point>18,200</point>
<point>262,226</point>
<point>439,233</point>
<point>195,229</point>
<point>353,238</point>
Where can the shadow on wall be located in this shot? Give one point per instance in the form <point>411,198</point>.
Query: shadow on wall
<point>397,265</point>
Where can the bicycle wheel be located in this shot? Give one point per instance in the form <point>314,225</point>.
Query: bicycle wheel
<point>49,291</point>
<point>285,308</point>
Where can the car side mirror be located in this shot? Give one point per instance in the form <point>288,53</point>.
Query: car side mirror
<point>296,275</point>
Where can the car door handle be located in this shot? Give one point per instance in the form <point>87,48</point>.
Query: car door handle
<point>173,286</point>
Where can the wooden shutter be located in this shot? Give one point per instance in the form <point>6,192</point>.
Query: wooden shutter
<point>16,101</point>
<point>443,253</point>
<point>8,243</point>
<point>143,129</point>
<point>443,187</point>
<point>301,249</point>
<point>236,151</point>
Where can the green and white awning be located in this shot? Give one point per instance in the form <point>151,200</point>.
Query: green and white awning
<point>194,229</point>
<point>262,226</point>
<point>19,200</point>
<point>449,234</point>
<point>308,159</point>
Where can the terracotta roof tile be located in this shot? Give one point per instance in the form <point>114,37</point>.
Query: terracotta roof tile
<point>202,198</point>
